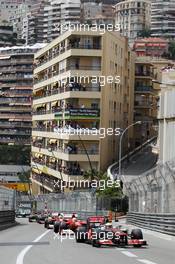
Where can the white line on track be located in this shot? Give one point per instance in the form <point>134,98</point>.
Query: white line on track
<point>21,255</point>
<point>129,254</point>
<point>145,261</point>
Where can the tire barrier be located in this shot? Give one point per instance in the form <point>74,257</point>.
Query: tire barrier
<point>7,219</point>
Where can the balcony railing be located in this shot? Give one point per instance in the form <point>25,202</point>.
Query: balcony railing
<point>69,68</point>
<point>84,68</point>
<point>73,112</point>
<point>64,49</point>
<point>15,124</point>
<point>19,141</point>
<point>68,130</point>
<point>144,74</point>
<point>67,150</point>
<point>46,181</point>
<point>69,170</point>
<point>143,104</point>
<point>144,89</point>
<point>67,89</point>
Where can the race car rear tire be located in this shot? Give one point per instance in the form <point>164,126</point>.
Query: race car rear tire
<point>137,246</point>
<point>80,234</point>
<point>136,234</point>
<point>95,244</point>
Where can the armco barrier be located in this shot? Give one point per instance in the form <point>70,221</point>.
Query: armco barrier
<point>112,169</point>
<point>163,223</point>
<point>7,219</point>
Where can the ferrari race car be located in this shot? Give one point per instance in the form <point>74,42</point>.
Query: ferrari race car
<point>97,233</point>
<point>66,223</point>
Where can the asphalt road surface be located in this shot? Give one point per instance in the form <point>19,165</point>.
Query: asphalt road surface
<point>16,247</point>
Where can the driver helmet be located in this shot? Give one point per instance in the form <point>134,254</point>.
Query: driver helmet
<point>108,225</point>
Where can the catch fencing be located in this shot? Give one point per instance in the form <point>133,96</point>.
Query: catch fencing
<point>85,202</point>
<point>7,199</point>
<point>163,223</point>
<point>153,191</point>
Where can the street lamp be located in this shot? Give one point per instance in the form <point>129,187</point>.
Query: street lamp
<point>120,145</point>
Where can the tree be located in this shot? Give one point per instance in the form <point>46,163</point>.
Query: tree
<point>105,188</point>
<point>145,33</point>
<point>171,50</point>
<point>24,177</point>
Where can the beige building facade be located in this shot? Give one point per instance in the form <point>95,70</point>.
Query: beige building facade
<point>83,92</point>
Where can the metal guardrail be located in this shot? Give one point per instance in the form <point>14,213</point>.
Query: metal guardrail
<point>7,219</point>
<point>163,223</point>
<point>114,166</point>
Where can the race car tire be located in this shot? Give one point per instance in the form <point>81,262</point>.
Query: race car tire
<point>137,246</point>
<point>136,234</point>
<point>95,244</point>
<point>56,227</point>
<point>80,234</point>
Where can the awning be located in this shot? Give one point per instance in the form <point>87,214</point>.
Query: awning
<point>52,141</point>
<point>5,57</point>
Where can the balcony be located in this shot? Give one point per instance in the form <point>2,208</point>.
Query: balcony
<point>73,91</point>
<point>144,89</point>
<point>56,169</point>
<point>56,53</point>
<point>68,154</point>
<point>143,74</point>
<point>18,141</point>
<point>15,124</point>
<point>16,77</point>
<point>67,133</point>
<point>47,182</point>
<point>12,131</point>
<point>143,104</point>
<point>72,67</point>
<point>73,113</point>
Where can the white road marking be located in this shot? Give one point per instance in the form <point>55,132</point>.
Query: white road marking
<point>145,261</point>
<point>129,254</point>
<point>121,249</point>
<point>21,255</point>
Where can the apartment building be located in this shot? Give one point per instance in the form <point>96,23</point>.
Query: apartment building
<point>16,81</point>
<point>153,47</point>
<point>16,19</point>
<point>57,15</point>
<point>147,90</point>
<point>163,18</point>
<point>133,17</point>
<point>95,12</point>
<point>33,24</point>
<point>70,101</point>
<point>167,115</point>
<point>8,8</point>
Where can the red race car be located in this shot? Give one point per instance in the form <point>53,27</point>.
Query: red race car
<point>98,233</point>
<point>67,222</point>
